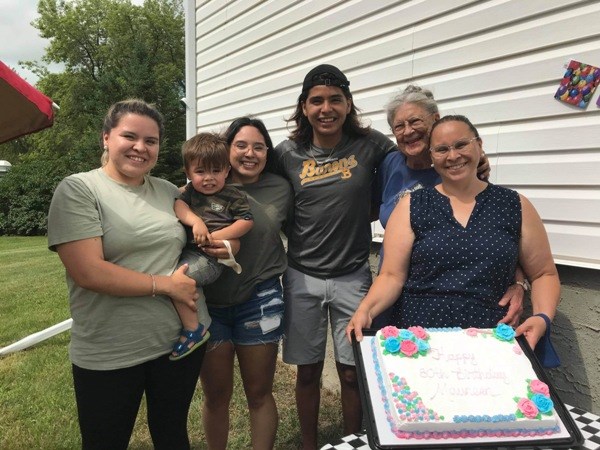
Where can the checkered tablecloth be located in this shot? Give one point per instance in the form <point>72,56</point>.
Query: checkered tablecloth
<point>588,423</point>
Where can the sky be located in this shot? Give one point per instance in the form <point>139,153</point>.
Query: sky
<point>19,40</point>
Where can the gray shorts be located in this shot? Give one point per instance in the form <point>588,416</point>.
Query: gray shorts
<point>203,269</point>
<point>309,303</point>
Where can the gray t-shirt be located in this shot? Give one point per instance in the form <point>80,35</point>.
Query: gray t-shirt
<point>262,254</point>
<point>140,231</point>
<point>331,231</point>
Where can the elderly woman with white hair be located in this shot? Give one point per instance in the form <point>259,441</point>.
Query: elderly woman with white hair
<point>411,115</point>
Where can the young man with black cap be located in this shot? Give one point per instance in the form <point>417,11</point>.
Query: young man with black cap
<point>330,159</point>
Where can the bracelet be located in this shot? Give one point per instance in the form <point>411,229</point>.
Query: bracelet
<point>153,285</point>
<point>524,284</point>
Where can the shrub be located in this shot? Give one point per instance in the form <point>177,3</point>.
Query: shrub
<point>26,191</point>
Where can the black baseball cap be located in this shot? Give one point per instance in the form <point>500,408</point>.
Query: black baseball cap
<point>327,75</point>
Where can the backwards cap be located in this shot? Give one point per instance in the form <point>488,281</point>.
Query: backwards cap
<point>327,75</point>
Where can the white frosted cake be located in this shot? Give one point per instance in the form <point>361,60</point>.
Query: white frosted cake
<point>449,383</point>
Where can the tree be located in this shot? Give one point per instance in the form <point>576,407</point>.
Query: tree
<point>26,191</point>
<point>111,50</point>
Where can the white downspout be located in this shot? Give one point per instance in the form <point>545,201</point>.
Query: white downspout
<point>190,69</point>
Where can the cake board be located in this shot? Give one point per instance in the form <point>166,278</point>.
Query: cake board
<point>380,436</point>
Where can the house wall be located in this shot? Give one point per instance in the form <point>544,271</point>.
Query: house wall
<point>499,62</point>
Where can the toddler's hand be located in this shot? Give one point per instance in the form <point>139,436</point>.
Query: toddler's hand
<point>201,234</point>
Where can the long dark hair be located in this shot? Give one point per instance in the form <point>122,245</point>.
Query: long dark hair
<point>303,133</point>
<point>248,121</point>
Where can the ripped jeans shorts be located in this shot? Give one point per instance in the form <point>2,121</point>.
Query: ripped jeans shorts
<point>256,321</point>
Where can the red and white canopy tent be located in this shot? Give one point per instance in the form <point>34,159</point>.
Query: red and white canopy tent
<point>23,109</point>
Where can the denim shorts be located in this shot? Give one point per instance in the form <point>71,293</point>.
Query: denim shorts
<point>259,320</point>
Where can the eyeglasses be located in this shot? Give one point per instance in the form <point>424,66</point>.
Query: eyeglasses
<point>243,146</point>
<point>461,146</point>
<point>416,123</point>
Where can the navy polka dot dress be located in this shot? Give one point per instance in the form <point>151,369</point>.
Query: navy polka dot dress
<point>458,274</point>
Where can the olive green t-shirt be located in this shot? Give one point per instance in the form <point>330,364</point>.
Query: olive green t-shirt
<point>140,231</point>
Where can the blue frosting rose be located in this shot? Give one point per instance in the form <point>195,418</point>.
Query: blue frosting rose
<point>406,335</point>
<point>422,345</point>
<point>504,332</point>
<point>543,403</point>
<point>392,344</point>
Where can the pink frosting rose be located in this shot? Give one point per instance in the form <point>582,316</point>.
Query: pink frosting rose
<point>419,332</point>
<point>389,331</point>
<point>472,331</point>
<point>528,408</point>
<point>409,348</point>
<point>539,387</point>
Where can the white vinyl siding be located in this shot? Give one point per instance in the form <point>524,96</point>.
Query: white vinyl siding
<point>499,62</point>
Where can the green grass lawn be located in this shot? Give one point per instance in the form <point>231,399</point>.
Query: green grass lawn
<point>36,391</point>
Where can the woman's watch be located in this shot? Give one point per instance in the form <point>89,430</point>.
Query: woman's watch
<point>524,284</point>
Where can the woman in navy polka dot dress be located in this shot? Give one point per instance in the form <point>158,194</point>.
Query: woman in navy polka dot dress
<point>451,251</point>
